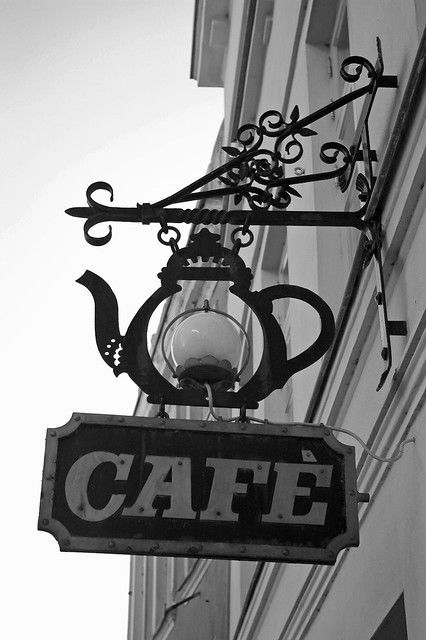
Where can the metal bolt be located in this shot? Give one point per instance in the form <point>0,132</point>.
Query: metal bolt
<point>280,516</point>
<point>53,434</point>
<point>120,419</point>
<point>141,509</point>
<point>45,521</point>
<point>111,544</point>
<point>122,461</point>
<point>285,552</point>
<point>180,463</point>
<point>326,432</point>
<point>218,513</point>
<point>77,418</point>
<point>259,466</point>
<point>284,430</point>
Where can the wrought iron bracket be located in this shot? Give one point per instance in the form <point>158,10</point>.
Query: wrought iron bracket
<point>255,174</point>
<point>388,327</point>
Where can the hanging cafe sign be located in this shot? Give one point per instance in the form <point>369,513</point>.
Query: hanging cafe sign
<point>228,489</point>
<point>159,486</point>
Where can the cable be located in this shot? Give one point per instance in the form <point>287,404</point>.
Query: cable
<point>211,410</point>
<point>396,456</point>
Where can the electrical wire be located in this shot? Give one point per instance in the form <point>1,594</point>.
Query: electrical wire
<point>396,456</point>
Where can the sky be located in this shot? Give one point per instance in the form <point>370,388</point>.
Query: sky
<point>91,90</point>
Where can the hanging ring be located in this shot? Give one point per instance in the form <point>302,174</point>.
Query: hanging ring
<point>244,232</point>
<point>172,242</point>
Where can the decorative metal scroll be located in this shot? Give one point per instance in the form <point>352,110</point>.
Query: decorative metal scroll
<point>130,353</point>
<point>255,175</point>
<point>255,172</point>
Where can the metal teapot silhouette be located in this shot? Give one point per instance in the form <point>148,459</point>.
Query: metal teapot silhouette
<point>130,353</point>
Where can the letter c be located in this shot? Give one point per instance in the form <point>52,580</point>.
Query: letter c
<point>77,482</point>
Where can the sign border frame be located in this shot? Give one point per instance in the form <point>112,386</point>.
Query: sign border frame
<point>216,550</point>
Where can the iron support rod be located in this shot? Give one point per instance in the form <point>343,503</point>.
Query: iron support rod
<point>147,214</point>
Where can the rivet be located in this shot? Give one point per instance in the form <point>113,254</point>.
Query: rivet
<point>280,516</point>
<point>284,430</point>
<point>259,466</point>
<point>155,547</point>
<point>77,418</point>
<point>203,425</point>
<point>326,432</point>
<point>50,477</point>
<point>120,419</point>
<point>285,552</point>
<point>141,509</point>
<point>243,549</point>
<point>243,426</point>
<point>66,542</point>
<point>122,461</point>
<point>111,544</point>
<point>322,470</point>
<point>180,463</point>
<point>45,521</point>
<point>53,434</point>
<point>218,513</point>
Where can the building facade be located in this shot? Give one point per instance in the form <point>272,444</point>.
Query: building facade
<point>266,55</point>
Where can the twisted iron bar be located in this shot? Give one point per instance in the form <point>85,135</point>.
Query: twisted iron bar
<point>256,174</point>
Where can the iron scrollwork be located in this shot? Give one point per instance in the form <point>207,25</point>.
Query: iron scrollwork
<point>255,173</point>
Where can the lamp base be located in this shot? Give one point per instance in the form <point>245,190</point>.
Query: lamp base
<point>196,371</point>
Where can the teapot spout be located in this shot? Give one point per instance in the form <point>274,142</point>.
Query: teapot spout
<point>107,331</point>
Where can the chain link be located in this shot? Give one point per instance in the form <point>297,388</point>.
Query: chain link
<point>165,229</point>
<point>244,230</point>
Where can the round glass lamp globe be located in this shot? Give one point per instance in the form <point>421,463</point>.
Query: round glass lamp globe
<point>206,334</point>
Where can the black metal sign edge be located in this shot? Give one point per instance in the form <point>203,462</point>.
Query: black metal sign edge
<point>311,555</point>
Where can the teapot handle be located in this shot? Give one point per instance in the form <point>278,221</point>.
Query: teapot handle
<point>325,338</point>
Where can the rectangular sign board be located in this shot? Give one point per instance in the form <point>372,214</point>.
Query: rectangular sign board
<point>155,486</point>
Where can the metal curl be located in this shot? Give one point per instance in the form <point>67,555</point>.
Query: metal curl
<point>336,148</point>
<point>95,186</point>
<point>288,147</point>
<point>268,126</point>
<point>363,64</point>
<point>96,241</point>
<point>246,135</point>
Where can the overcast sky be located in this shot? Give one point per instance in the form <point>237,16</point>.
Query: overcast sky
<point>91,90</point>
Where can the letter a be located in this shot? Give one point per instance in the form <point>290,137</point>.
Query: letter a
<point>179,489</point>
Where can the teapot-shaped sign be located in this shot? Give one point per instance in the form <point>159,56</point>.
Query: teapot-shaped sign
<point>130,353</point>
